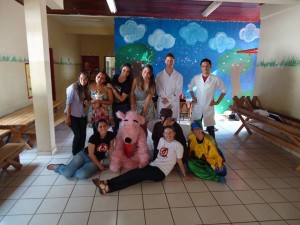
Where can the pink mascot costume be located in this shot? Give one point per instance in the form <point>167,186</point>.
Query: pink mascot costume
<point>131,149</point>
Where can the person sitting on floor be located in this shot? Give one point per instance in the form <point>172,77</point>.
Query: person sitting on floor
<point>158,129</point>
<point>88,161</point>
<point>170,152</point>
<point>206,160</point>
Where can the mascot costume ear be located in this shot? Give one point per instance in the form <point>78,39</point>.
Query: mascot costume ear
<point>131,149</point>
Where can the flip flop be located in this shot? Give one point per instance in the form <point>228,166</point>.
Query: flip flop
<point>54,166</point>
<point>102,189</point>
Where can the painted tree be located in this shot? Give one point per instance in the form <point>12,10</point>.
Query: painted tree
<point>136,54</point>
<point>234,64</point>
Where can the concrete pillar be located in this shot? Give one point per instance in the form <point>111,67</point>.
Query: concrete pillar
<point>38,51</point>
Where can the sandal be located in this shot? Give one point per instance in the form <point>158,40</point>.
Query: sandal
<point>54,166</point>
<point>103,188</point>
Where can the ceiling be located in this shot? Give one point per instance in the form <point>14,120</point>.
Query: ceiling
<point>90,15</point>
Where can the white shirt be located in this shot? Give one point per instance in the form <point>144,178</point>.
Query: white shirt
<point>170,87</point>
<point>168,153</point>
<point>205,93</point>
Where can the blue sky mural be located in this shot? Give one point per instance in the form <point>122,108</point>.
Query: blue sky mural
<point>149,40</point>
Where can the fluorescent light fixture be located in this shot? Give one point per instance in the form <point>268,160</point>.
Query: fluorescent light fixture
<point>212,7</point>
<point>112,5</point>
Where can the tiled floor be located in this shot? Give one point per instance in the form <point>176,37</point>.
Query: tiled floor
<point>261,188</point>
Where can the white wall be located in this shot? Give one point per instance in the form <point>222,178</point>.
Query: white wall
<point>277,86</point>
<point>13,88</point>
<point>66,54</point>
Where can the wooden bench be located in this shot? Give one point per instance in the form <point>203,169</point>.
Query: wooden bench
<point>286,133</point>
<point>4,133</point>
<point>59,117</point>
<point>9,155</point>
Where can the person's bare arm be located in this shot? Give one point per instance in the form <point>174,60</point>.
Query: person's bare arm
<point>181,166</point>
<point>92,156</point>
<point>213,102</point>
<point>132,97</point>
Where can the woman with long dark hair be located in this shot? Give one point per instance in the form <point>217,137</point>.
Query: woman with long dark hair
<point>121,85</point>
<point>76,104</point>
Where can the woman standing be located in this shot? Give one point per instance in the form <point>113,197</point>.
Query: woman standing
<point>77,94</point>
<point>89,161</point>
<point>121,89</point>
<point>142,91</point>
<point>101,100</point>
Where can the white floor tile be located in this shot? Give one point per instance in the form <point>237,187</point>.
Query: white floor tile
<point>36,192</point>
<point>155,201</point>
<point>45,219</point>
<point>203,199</point>
<point>102,218</point>
<point>152,188</point>
<point>174,187</point>
<point>212,215</point>
<point>84,190</point>
<point>25,206</point>
<point>186,216</point>
<point>248,197</point>
<point>74,218</point>
<point>53,205</point>
<point>16,220</point>
<point>105,203</point>
<point>238,213</point>
<point>179,200</point>
<point>59,191</point>
<point>131,217</point>
<point>158,216</point>
<point>226,198</point>
<point>130,202</point>
<point>263,212</point>
<point>79,204</point>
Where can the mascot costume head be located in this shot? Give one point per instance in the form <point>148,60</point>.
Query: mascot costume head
<point>131,149</point>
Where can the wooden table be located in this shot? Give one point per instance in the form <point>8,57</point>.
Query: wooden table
<point>19,120</point>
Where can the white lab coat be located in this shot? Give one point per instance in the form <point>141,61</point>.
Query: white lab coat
<point>205,93</point>
<point>169,87</point>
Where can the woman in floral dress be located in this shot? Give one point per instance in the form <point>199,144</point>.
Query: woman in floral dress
<point>101,100</point>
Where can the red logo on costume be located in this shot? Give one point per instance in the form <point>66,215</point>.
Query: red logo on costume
<point>164,151</point>
<point>102,147</point>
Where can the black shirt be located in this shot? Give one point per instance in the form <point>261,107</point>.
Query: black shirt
<point>101,145</point>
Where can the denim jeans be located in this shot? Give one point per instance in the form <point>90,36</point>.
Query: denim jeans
<point>78,126</point>
<point>81,166</point>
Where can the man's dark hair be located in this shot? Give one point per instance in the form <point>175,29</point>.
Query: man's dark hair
<point>170,55</point>
<point>205,60</point>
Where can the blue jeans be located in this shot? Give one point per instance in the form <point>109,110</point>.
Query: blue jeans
<point>81,166</point>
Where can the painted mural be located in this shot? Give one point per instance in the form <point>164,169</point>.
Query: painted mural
<point>147,40</point>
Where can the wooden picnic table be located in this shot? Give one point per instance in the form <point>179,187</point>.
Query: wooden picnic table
<point>19,121</point>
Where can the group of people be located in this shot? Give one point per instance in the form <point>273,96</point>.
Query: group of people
<point>97,104</point>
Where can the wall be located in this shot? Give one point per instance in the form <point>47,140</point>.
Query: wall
<point>13,55</point>
<point>96,45</point>
<point>278,62</point>
<point>148,40</point>
<point>66,54</point>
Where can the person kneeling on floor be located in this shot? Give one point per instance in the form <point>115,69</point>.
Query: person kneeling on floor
<point>205,160</point>
<point>88,162</point>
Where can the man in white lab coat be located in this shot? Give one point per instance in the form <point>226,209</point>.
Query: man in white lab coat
<point>204,102</point>
<point>169,84</point>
